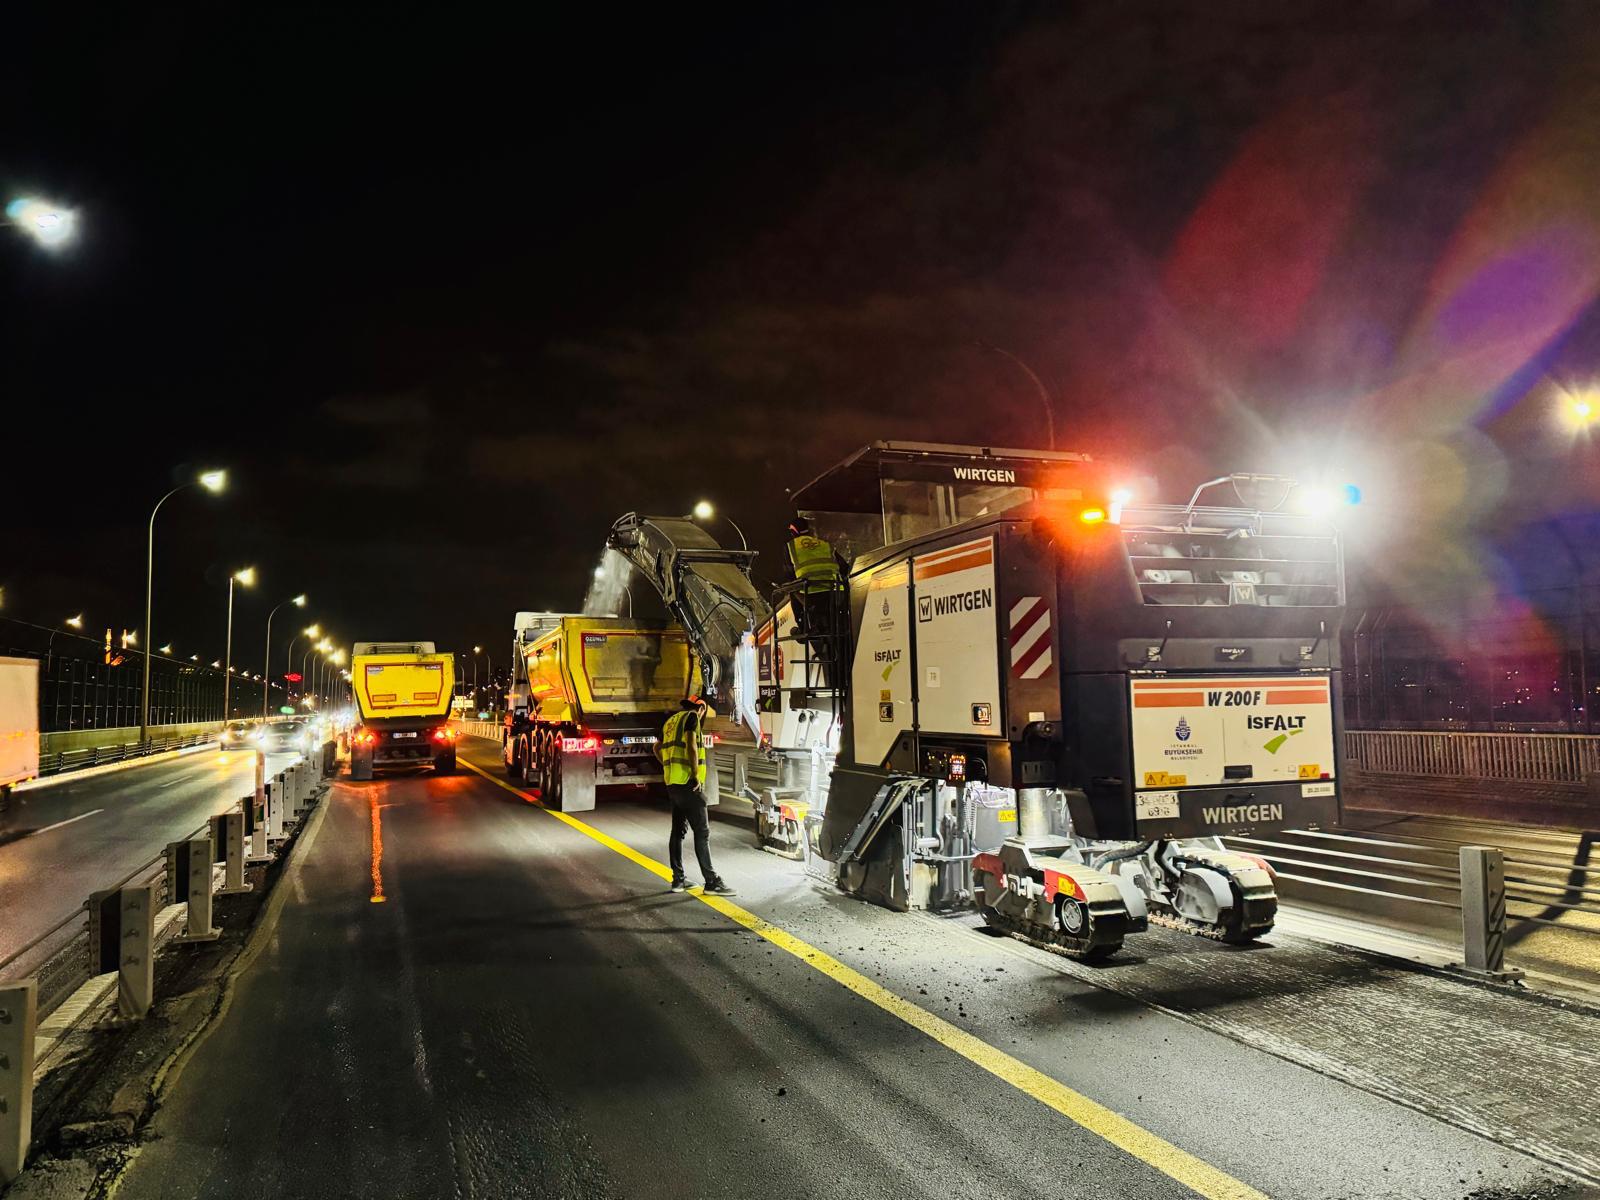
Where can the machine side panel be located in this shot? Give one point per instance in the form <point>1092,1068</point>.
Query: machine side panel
<point>880,678</point>
<point>958,653</point>
<point>1030,630</point>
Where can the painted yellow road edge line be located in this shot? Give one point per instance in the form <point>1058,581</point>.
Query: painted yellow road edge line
<point>1153,1151</point>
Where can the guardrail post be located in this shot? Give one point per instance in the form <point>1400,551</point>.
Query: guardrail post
<point>1483,912</point>
<point>275,798</point>
<point>227,839</point>
<point>19,1011</point>
<point>122,935</point>
<point>189,876</point>
<point>255,823</point>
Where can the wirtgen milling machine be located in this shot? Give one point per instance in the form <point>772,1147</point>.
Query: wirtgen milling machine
<point>1058,701</point>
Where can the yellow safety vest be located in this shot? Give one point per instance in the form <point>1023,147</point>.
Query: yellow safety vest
<point>814,563</point>
<point>675,748</point>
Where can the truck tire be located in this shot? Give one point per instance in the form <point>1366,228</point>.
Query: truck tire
<point>516,765</point>
<point>550,781</point>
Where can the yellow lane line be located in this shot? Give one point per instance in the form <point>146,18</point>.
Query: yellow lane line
<point>1193,1173</point>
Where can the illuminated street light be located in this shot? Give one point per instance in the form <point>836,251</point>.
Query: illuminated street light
<point>212,481</point>
<point>299,602</point>
<point>48,224</point>
<point>194,658</point>
<point>1580,410</point>
<point>167,649</point>
<point>247,577</point>
<point>76,622</point>
<point>703,511</point>
<point>130,637</point>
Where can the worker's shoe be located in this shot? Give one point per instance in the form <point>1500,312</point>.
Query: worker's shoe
<point>716,887</point>
<point>680,884</point>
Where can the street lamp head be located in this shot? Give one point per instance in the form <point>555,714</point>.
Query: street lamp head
<point>300,600</point>
<point>213,481</point>
<point>167,649</point>
<point>130,637</point>
<point>48,224</point>
<point>477,649</point>
<point>217,663</point>
<point>194,658</point>
<point>703,510</point>
<point>246,576</point>
<point>76,622</point>
<point>312,631</point>
<point>324,645</point>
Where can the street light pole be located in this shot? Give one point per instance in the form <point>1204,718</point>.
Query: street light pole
<point>1044,392</point>
<point>704,511</point>
<point>246,576</point>
<point>212,481</point>
<point>266,678</point>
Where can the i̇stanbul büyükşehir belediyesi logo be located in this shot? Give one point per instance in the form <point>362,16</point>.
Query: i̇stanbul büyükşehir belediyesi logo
<point>1182,731</point>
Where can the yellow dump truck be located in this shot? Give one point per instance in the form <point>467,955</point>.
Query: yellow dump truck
<point>588,698</point>
<point>403,691</point>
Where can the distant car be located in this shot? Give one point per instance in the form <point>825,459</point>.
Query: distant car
<point>238,735</point>
<point>286,737</point>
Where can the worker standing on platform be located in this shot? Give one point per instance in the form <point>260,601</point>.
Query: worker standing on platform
<point>683,764</point>
<point>812,558</point>
<point>816,602</point>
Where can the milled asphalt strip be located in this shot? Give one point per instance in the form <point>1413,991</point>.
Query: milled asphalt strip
<point>1193,1173</point>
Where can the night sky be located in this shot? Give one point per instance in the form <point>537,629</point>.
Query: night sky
<point>448,292</point>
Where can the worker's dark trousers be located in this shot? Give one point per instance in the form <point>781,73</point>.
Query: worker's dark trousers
<point>689,812</point>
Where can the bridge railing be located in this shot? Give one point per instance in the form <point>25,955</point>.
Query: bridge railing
<point>1533,757</point>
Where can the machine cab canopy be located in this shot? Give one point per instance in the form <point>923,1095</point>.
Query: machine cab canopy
<point>890,492</point>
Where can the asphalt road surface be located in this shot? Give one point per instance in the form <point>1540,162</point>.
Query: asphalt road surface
<point>464,995</point>
<point>62,841</point>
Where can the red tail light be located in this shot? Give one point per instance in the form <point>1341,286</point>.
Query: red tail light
<point>365,737</point>
<point>446,734</point>
<point>588,744</point>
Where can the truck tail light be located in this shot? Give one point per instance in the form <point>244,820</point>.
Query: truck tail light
<point>445,733</point>
<point>586,744</point>
<point>365,737</point>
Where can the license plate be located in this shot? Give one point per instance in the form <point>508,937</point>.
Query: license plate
<point>406,735</point>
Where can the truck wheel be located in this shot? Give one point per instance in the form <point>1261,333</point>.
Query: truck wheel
<point>550,792</point>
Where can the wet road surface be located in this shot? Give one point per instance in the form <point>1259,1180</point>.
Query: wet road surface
<point>464,995</point>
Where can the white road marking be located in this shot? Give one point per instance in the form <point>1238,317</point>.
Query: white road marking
<point>68,821</point>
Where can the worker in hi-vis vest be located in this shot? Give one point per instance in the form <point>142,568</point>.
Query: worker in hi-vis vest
<point>812,558</point>
<point>683,766</point>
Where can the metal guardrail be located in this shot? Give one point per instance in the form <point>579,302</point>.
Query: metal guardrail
<point>1544,889</point>
<point>1531,757</point>
<point>63,761</point>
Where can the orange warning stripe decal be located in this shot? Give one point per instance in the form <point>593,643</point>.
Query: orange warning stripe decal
<point>1169,700</point>
<point>956,558</point>
<point>1141,685</point>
